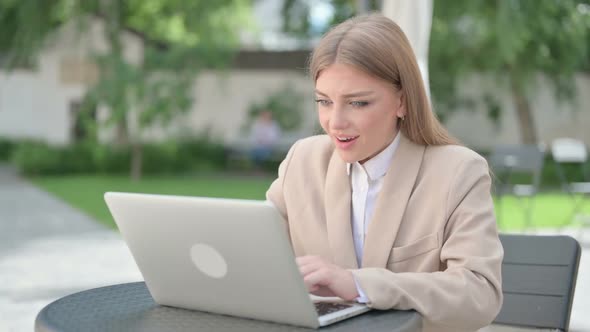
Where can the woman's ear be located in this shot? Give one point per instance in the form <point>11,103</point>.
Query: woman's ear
<point>401,107</point>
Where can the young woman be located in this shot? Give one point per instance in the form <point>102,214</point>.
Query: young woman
<point>387,208</point>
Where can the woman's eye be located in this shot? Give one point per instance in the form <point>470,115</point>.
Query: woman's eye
<point>359,103</point>
<point>322,102</point>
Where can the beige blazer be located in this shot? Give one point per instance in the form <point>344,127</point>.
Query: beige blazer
<point>432,244</point>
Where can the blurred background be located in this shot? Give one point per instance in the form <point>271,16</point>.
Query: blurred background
<point>205,97</point>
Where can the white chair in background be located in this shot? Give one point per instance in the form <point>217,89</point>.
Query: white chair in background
<point>570,151</point>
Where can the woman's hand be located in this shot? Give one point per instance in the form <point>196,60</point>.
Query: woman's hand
<point>323,278</point>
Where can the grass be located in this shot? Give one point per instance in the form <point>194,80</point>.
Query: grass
<point>86,193</point>
<point>549,210</point>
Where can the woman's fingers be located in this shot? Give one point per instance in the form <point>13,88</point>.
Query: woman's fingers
<point>326,279</point>
<point>317,277</point>
<point>323,291</point>
<point>312,269</point>
<point>308,264</point>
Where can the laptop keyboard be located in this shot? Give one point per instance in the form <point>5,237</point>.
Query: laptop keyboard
<point>324,308</point>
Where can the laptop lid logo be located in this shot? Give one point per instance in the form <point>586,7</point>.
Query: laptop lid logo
<point>208,260</point>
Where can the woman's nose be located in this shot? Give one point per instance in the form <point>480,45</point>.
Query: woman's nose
<point>338,120</point>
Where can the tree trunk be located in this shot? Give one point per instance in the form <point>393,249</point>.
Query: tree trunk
<point>121,135</point>
<point>528,132</point>
<point>136,161</point>
<point>112,10</point>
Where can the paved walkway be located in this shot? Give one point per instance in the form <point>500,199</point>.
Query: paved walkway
<point>49,250</point>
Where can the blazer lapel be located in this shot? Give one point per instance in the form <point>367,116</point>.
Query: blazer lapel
<point>337,199</point>
<point>391,202</point>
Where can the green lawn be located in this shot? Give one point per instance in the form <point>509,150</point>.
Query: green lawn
<point>86,193</point>
<point>549,210</point>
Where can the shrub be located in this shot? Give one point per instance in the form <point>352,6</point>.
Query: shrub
<point>36,158</point>
<point>171,157</point>
<point>6,149</point>
<point>78,158</point>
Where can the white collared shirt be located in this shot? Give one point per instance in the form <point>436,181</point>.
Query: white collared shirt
<point>366,181</point>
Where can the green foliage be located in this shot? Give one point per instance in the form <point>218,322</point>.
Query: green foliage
<point>188,36</point>
<point>286,106</point>
<point>190,155</point>
<point>110,160</point>
<point>6,148</point>
<point>36,158</point>
<point>179,39</point>
<point>187,23</point>
<point>24,25</point>
<point>510,41</point>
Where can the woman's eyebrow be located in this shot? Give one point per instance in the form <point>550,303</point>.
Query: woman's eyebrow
<point>320,93</point>
<point>349,95</point>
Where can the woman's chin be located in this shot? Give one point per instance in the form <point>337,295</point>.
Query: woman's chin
<point>348,157</point>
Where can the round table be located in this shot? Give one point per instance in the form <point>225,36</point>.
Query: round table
<point>130,307</point>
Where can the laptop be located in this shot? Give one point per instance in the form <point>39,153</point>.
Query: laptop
<point>224,256</point>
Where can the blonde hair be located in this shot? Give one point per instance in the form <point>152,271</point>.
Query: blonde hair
<point>378,46</point>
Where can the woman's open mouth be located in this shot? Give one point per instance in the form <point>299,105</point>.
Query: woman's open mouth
<point>345,142</point>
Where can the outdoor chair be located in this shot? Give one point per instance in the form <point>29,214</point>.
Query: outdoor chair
<point>572,152</point>
<point>538,282</point>
<point>517,171</point>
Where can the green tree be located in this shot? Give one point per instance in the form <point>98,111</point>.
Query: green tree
<point>512,42</point>
<point>180,39</point>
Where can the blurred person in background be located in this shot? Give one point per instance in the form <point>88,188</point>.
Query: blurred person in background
<point>264,136</point>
